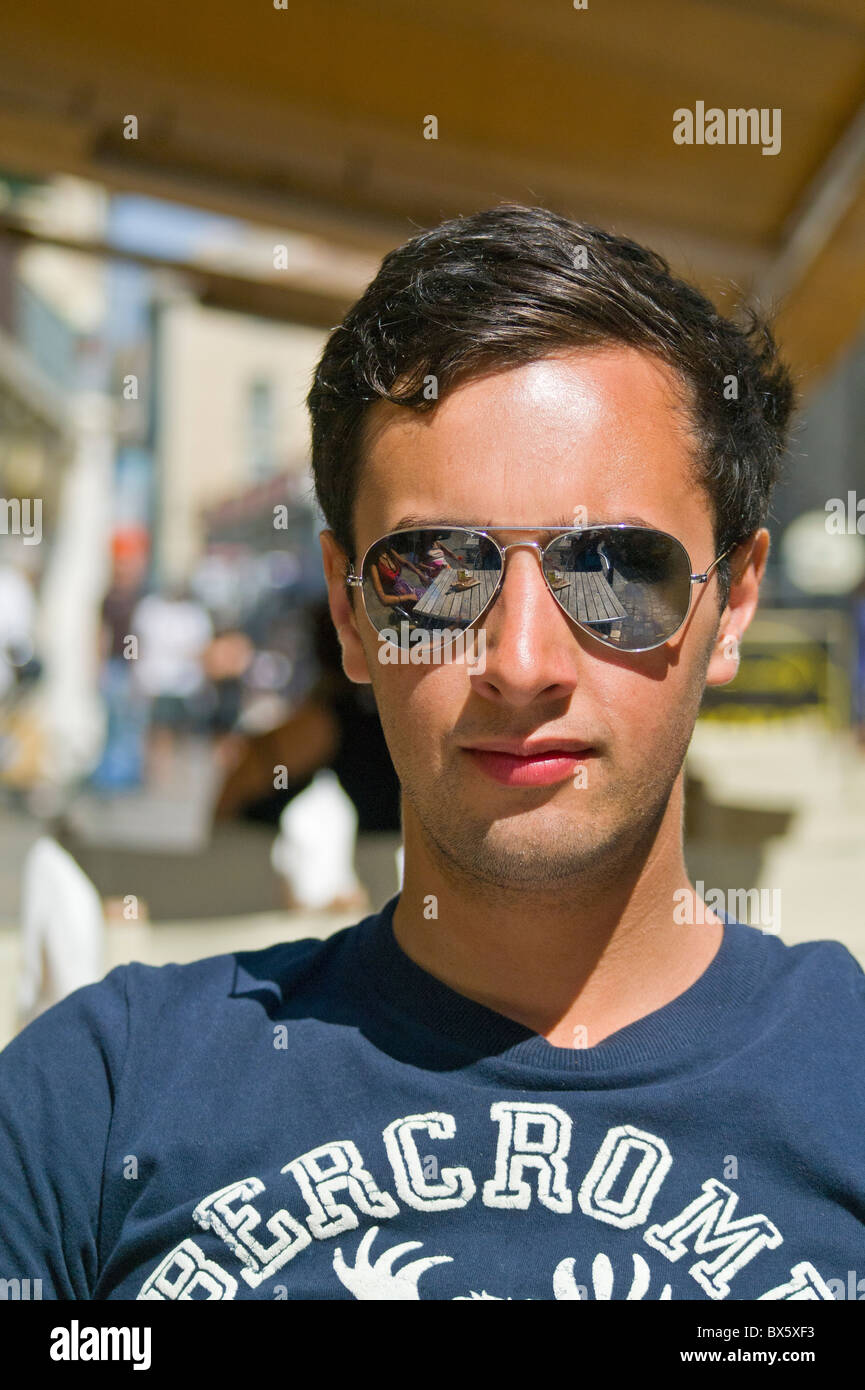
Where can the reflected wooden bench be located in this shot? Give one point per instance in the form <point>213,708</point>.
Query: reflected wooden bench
<point>456,607</point>
<point>586,596</point>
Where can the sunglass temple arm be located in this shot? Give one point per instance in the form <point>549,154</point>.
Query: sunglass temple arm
<point>704,578</point>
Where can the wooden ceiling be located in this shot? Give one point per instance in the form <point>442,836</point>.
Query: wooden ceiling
<point>312,118</point>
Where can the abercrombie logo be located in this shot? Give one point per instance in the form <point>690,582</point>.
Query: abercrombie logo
<point>736,126</point>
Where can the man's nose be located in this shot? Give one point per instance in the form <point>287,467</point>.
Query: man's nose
<point>531,649</point>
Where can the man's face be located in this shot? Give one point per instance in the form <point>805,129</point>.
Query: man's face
<point>599,430</point>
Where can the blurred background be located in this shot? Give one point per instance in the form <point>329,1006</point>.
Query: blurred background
<point>189,201</point>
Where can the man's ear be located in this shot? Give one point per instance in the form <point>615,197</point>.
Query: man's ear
<point>747,567</point>
<point>342,609</point>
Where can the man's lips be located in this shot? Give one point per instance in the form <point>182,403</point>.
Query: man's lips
<point>527,764</point>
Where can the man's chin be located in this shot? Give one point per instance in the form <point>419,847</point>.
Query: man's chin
<point>511,854</point>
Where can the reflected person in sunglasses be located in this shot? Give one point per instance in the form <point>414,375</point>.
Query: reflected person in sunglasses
<point>391,588</point>
<point>434,555</point>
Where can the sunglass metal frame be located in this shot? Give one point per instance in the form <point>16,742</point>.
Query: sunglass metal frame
<point>356,581</point>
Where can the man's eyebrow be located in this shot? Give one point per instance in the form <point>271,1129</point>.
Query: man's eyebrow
<point>426,523</point>
<point>421,523</point>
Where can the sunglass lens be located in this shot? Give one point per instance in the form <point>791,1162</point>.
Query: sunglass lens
<point>631,586</point>
<point>435,580</point>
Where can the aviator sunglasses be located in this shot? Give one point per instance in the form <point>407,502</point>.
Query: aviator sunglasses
<point>628,586</point>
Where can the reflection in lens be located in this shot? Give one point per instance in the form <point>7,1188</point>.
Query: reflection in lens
<point>435,580</point>
<point>631,586</point>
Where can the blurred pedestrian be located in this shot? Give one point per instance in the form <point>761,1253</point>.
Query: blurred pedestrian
<point>121,767</point>
<point>225,662</point>
<point>173,631</point>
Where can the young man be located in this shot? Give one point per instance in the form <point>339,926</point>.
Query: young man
<point>525,1078</point>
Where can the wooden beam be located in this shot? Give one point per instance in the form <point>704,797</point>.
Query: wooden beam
<point>818,276</point>
<point>827,199</point>
<point>284,299</point>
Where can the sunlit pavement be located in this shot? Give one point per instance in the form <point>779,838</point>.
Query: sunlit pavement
<point>818,862</point>
<point>172,811</point>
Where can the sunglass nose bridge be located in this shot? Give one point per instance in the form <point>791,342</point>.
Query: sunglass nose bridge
<point>514,545</point>
<point>521,545</point>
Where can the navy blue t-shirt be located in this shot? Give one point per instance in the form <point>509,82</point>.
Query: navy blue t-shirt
<point>326,1120</point>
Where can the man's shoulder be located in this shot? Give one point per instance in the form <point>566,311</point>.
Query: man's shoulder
<point>176,995</point>
<point>281,967</point>
<point>819,972</point>
<point>818,953</point>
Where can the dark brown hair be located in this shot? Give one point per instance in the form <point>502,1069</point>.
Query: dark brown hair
<point>513,284</point>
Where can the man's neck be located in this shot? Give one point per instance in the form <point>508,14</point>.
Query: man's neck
<point>575,962</point>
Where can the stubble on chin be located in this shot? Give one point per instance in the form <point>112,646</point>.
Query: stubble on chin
<point>595,835</point>
<point>576,835</point>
